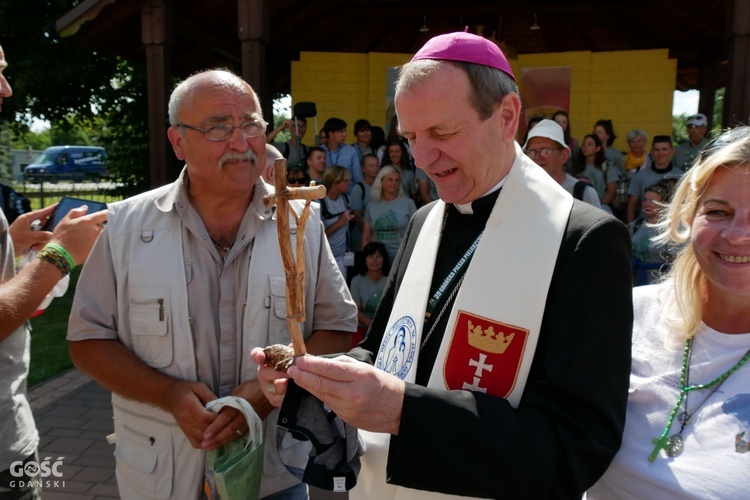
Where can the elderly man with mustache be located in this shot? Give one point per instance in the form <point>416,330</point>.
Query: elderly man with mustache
<point>185,280</point>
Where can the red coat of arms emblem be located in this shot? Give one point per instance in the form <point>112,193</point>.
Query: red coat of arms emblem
<point>484,355</point>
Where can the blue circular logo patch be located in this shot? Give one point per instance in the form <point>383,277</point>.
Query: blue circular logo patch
<point>398,348</point>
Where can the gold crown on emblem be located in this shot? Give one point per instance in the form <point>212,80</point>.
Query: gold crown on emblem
<point>488,340</point>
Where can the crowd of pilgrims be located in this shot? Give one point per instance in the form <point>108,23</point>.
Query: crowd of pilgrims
<point>374,187</point>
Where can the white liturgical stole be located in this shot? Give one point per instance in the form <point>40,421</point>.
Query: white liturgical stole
<point>494,324</point>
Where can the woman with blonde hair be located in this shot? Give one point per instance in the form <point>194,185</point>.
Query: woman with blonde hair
<point>335,213</point>
<point>388,212</point>
<point>686,431</point>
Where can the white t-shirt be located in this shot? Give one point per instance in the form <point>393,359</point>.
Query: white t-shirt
<point>716,455</point>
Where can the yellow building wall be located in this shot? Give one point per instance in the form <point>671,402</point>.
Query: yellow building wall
<point>634,89</point>
<point>347,86</point>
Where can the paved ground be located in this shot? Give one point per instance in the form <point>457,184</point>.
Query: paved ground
<point>74,417</point>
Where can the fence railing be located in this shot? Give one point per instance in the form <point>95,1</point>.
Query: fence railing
<point>46,193</point>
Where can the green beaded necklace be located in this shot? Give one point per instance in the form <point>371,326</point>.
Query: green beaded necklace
<point>673,445</point>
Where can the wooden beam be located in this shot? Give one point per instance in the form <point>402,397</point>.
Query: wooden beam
<point>253,21</point>
<point>737,97</point>
<point>707,83</point>
<point>71,22</point>
<point>156,34</point>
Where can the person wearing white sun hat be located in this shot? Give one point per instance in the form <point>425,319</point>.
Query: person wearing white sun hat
<point>545,144</point>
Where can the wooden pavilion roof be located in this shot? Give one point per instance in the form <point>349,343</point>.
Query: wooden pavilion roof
<point>205,32</point>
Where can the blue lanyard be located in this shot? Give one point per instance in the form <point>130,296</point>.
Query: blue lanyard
<point>451,276</point>
<point>335,161</point>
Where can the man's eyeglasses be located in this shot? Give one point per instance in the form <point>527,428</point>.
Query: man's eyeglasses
<point>543,152</point>
<point>224,131</point>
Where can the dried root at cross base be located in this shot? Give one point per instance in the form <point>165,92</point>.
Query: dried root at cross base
<point>279,357</point>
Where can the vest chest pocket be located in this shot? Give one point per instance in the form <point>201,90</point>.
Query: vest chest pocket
<point>150,325</point>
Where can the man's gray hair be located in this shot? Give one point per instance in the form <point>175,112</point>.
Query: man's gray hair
<point>224,77</point>
<point>488,85</point>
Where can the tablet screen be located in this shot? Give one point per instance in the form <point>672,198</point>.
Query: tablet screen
<point>68,203</point>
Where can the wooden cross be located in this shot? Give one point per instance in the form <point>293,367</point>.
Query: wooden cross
<point>294,268</point>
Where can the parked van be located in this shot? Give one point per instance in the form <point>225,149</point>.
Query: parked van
<point>67,162</point>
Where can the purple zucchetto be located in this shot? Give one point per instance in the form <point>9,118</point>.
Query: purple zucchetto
<point>466,47</point>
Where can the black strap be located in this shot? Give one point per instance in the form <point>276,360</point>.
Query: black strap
<point>325,213</point>
<point>578,190</point>
<point>637,224</point>
<point>362,187</point>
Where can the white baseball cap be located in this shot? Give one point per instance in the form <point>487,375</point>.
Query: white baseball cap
<point>699,120</point>
<point>548,129</point>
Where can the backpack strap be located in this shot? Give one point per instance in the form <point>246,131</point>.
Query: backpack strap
<point>637,224</point>
<point>578,189</point>
<point>325,213</point>
<point>362,187</point>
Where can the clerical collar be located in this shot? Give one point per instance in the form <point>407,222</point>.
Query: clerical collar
<point>481,205</point>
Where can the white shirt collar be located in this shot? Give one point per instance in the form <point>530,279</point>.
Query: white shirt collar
<point>466,209</point>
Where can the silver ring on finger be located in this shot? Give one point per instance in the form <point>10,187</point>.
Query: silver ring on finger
<point>271,387</point>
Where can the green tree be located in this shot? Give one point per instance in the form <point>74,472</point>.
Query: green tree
<point>679,129</point>
<point>52,77</point>
<point>123,128</point>
<point>24,138</point>
<point>718,111</point>
<point>88,97</point>
<point>679,123</point>
<point>69,130</point>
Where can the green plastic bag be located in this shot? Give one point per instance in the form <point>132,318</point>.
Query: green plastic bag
<point>238,466</point>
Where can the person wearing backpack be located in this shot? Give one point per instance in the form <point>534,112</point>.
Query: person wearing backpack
<point>335,212</point>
